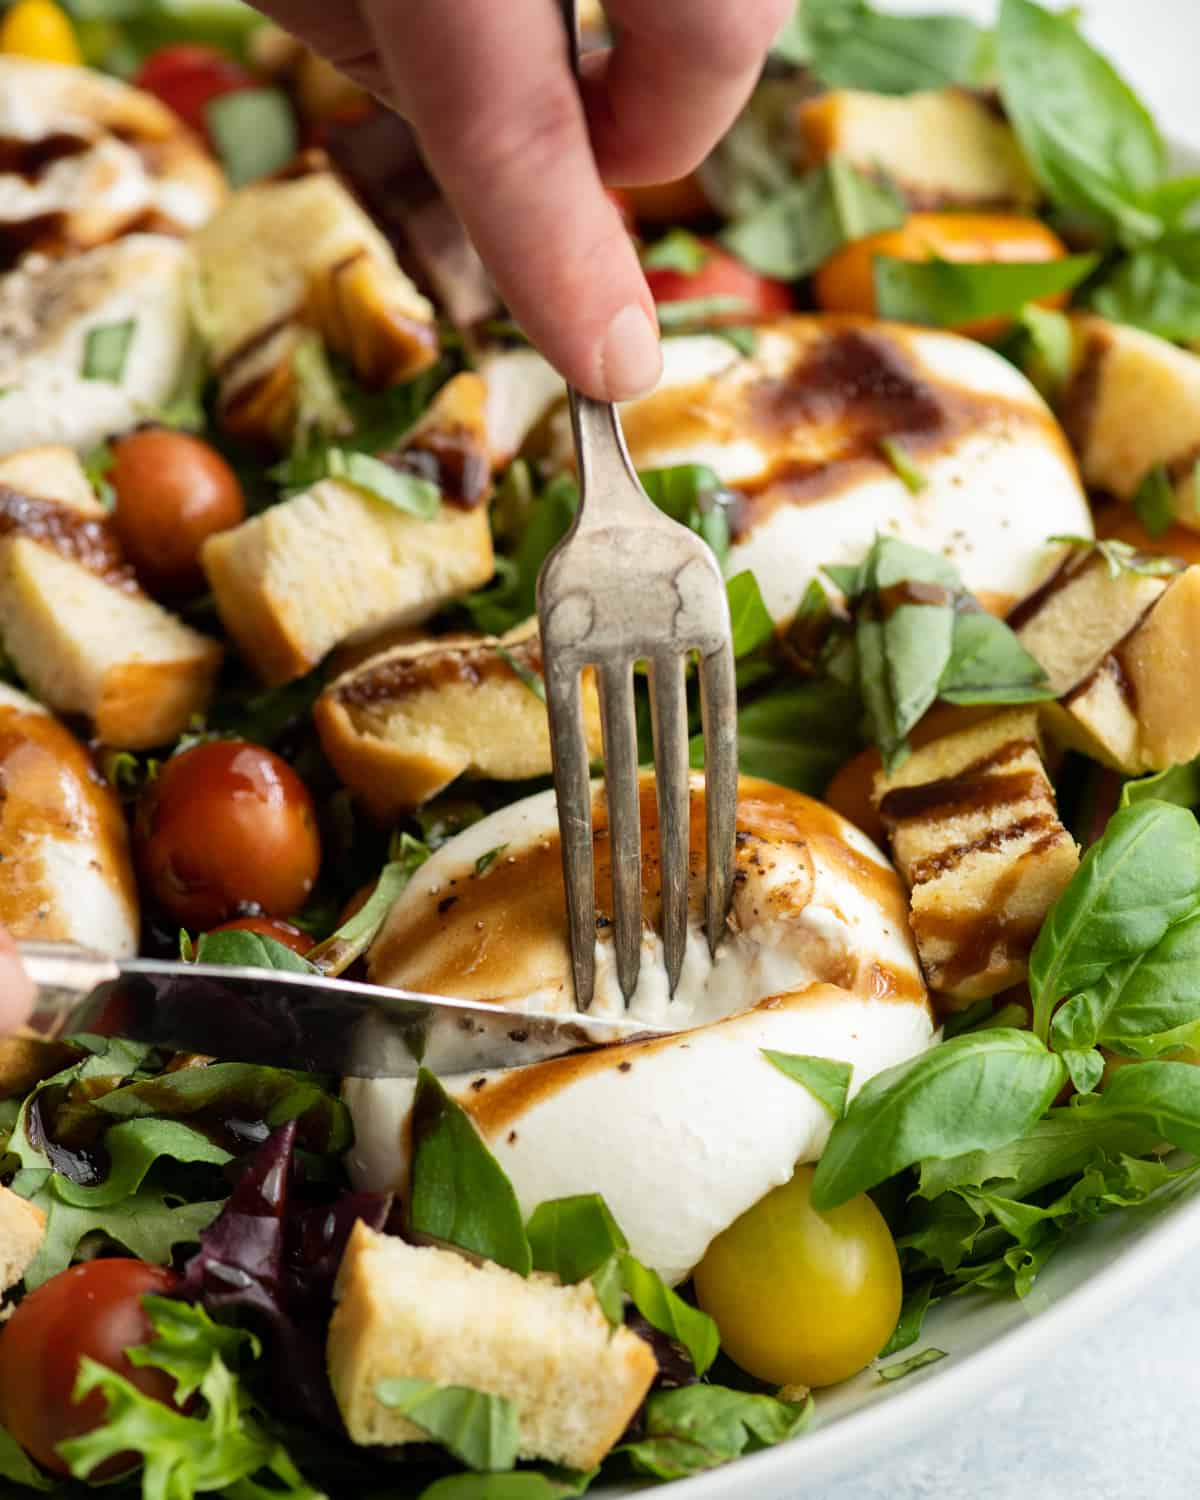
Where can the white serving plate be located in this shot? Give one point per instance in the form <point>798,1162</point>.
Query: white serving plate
<point>991,1340</point>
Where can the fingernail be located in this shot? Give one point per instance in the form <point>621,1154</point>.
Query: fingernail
<point>630,356</point>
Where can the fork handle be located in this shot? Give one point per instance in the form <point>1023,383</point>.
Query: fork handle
<point>601,452</point>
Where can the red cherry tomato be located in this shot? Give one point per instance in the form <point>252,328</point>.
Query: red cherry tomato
<point>272,927</point>
<point>186,76</point>
<point>93,1310</point>
<point>226,825</point>
<point>173,493</point>
<point>723,275</point>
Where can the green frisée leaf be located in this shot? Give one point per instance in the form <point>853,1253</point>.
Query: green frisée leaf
<point>106,349</point>
<point>253,131</point>
<point>1154,502</point>
<point>186,1342</point>
<point>825,1079</point>
<point>850,44</point>
<point>910,1366</point>
<point>944,293</point>
<point>1148,290</point>
<point>977,1092</point>
<point>749,617</point>
<point>792,233</point>
<point>700,1427</point>
<point>669,1313</point>
<point>249,950</point>
<point>1092,143</point>
<point>573,1237</point>
<point>678,250</point>
<point>1178,784</point>
<point>460,1194</point>
<point>18,1468</point>
<point>406,492</point>
<point>1142,876</point>
<point>480,1431</point>
<point>1119,557</point>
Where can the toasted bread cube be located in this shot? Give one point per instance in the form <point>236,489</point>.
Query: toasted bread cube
<point>1161,663</point>
<point>431,1314</point>
<point>334,562</point>
<point>22,1228</point>
<point>404,724</point>
<point>976,836</point>
<point>944,148</point>
<point>1131,404</point>
<point>87,641</point>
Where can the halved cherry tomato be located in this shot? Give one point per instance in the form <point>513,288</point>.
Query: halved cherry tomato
<point>93,1310</point>
<point>272,927</point>
<point>173,492</point>
<point>40,29</point>
<point>723,275</point>
<point>226,824</point>
<point>801,1297</point>
<point>186,76</point>
<point>846,282</point>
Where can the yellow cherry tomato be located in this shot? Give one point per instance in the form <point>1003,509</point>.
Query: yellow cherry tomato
<point>38,28</point>
<point>801,1297</point>
<point>846,282</point>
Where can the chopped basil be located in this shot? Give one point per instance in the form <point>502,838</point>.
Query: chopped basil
<point>910,1366</point>
<point>1154,502</point>
<point>693,312</point>
<point>105,350</point>
<point>799,228</point>
<point>699,1427</point>
<point>693,495</point>
<point>677,251</point>
<point>249,950</point>
<point>253,131</point>
<point>906,469</point>
<point>743,339</point>
<point>1121,557</point>
<point>827,1080</point>
<point>97,465</point>
<point>1047,348</point>
<point>850,44</point>
<point>797,735</point>
<point>573,1237</point>
<point>669,1313</point>
<point>945,293</point>
<point>481,1431</point>
<point>485,861</point>
<point>526,673</point>
<point>407,492</point>
<point>1148,290</point>
<point>752,623</point>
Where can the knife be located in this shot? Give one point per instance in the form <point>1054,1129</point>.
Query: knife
<point>308,1022</point>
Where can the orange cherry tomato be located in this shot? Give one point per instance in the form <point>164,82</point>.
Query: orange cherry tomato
<point>271,927</point>
<point>94,1310</point>
<point>723,275</point>
<point>173,492</point>
<point>846,282</point>
<point>226,824</point>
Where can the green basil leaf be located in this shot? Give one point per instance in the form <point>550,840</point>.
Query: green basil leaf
<point>573,1237</point>
<point>699,1427</point>
<point>407,492</point>
<point>792,43</point>
<point>481,1431</point>
<point>678,250</point>
<point>513,598</point>
<point>752,624</point>
<point>669,1313</point>
<point>988,664</point>
<point>17,1467</point>
<point>796,736</point>
<point>1178,784</point>
<point>693,495</point>
<point>1092,143</point>
<point>460,1195</point>
<point>910,1366</point>
<point>1148,290</point>
<point>97,465</point>
<point>850,44</point>
<point>1154,501</point>
<point>907,1331</point>
<point>797,230</point>
<point>1048,348</point>
<point>687,313</point>
<point>753,159</point>
<point>906,468</point>
<point>1119,557</point>
<point>486,860</point>
<point>106,349</point>
<point>321,413</point>
<point>944,293</point>
<point>1142,876</point>
<point>555,1484</point>
<point>826,1080</point>
<point>253,131</point>
<point>249,950</point>
<point>977,1092</point>
<point>1085,1068</point>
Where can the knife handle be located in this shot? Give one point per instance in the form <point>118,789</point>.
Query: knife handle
<point>64,974</point>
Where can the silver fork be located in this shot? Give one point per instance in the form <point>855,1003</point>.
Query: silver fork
<point>627,584</point>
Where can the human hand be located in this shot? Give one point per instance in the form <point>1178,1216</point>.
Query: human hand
<point>522,158</point>
<point>16,987</point>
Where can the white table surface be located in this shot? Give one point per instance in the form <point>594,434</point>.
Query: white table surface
<point>1117,1415</point>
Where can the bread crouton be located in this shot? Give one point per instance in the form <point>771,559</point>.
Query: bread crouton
<point>335,562</point>
<point>976,837</point>
<point>402,726</point>
<point>944,148</point>
<point>22,1227</point>
<point>431,1314</point>
<point>79,630</point>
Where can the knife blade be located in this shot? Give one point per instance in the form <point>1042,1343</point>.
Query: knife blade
<point>303,1021</point>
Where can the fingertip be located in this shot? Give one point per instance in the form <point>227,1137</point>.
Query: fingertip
<point>16,987</point>
<point>630,355</point>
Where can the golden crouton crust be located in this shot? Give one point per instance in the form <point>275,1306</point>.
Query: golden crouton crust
<point>22,1227</point>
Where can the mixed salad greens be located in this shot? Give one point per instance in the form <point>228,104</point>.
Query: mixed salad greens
<point>197,1366</point>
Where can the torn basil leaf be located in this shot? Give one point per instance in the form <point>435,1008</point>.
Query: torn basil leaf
<point>694,312</point>
<point>253,131</point>
<point>917,1302</point>
<point>911,1365</point>
<point>907,470</point>
<point>850,44</point>
<point>460,1194</point>
<point>796,735</point>
<point>512,598</point>
<point>481,1431</point>
<point>678,250</point>
<point>797,230</point>
<point>669,1313</point>
<point>1149,291</point>
<point>97,465</point>
<point>1047,348</point>
<point>573,1237</point>
<point>699,1427</point>
<point>527,675</point>
<point>827,1080</point>
<point>249,950</point>
<point>407,492</point>
<point>752,624</point>
<point>106,349</point>
<point>1154,502</point>
<point>352,939</point>
<point>693,495</point>
<point>946,293</point>
<point>988,664</point>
